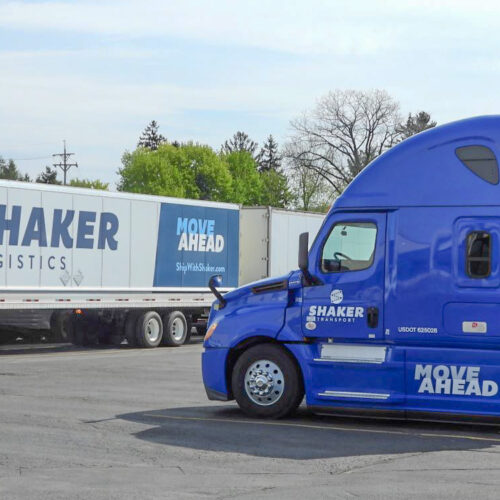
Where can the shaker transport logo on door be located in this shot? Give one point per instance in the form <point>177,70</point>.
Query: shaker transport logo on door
<point>337,296</point>
<point>334,313</point>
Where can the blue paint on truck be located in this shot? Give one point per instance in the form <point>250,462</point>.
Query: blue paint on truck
<point>195,242</point>
<point>398,310</point>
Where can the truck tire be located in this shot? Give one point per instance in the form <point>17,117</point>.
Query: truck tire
<point>177,329</point>
<point>61,326</point>
<point>266,382</point>
<point>131,328</point>
<point>149,331</point>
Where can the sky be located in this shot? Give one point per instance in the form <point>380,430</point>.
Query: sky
<point>96,72</point>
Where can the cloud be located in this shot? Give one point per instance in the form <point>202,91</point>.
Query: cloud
<point>313,27</point>
<point>205,68</point>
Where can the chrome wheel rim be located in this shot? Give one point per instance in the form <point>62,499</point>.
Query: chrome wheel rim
<point>153,330</point>
<point>177,329</point>
<point>264,382</point>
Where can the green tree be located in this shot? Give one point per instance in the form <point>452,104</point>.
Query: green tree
<point>184,171</point>
<point>247,186</point>
<point>275,189</point>
<point>89,184</point>
<point>48,177</point>
<point>269,157</point>
<point>8,170</point>
<point>157,172</point>
<point>209,175</point>
<point>240,142</point>
<point>415,124</point>
<point>151,138</point>
<point>310,191</point>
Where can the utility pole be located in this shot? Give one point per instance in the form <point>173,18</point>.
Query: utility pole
<point>64,165</point>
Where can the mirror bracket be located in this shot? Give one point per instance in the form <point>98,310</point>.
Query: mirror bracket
<point>213,282</point>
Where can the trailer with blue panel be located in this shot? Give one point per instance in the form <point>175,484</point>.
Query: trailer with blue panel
<point>395,309</point>
<point>102,267</point>
<point>99,267</point>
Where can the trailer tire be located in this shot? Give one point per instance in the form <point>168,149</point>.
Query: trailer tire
<point>131,328</point>
<point>267,382</point>
<point>62,325</point>
<point>177,329</point>
<point>149,331</point>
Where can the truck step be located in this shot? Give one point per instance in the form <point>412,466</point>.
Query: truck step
<point>351,353</point>
<point>382,397</point>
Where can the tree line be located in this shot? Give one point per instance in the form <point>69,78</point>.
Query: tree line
<point>328,146</point>
<point>9,171</point>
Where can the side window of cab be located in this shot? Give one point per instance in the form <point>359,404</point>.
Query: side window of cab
<point>350,246</point>
<point>478,258</point>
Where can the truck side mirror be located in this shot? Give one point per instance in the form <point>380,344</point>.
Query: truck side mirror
<point>304,252</point>
<point>214,282</point>
<point>304,260</point>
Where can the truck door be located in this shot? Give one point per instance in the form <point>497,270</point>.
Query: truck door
<point>349,260</point>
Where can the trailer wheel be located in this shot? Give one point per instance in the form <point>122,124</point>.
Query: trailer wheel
<point>131,328</point>
<point>177,329</point>
<point>149,330</point>
<point>61,326</point>
<point>266,382</point>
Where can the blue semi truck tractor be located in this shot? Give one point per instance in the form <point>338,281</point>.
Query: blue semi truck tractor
<point>395,308</point>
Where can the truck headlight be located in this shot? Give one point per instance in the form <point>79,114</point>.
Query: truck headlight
<point>210,331</point>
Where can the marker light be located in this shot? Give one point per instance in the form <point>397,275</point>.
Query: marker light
<point>210,331</point>
<point>78,311</point>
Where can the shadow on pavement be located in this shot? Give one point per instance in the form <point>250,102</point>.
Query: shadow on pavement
<point>22,348</point>
<point>305,436</point>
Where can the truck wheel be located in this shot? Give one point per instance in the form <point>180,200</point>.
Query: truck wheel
<point>61,326</point>
<point>266,382</point>
<point>149,330</point>
<point>177,329</point>
<point>131,328</point>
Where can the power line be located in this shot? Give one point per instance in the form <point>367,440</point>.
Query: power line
<point>29,159</point>
<point>64,165</point>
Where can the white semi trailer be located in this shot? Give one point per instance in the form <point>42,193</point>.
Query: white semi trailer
<point>101,267</point>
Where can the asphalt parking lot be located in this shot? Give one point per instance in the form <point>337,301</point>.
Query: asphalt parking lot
<point>129,423</point>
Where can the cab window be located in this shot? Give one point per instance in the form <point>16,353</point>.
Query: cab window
<point>478,254</point>
<point>350,246</point>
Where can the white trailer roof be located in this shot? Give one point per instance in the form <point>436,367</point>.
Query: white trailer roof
<point>33,186</point>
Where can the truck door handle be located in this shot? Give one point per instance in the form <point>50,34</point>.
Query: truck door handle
<point>372,317</point>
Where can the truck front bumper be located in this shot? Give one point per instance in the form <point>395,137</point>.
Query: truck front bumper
<point>213,367</point>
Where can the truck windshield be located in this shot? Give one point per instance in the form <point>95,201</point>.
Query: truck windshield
<point>350,247</point>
